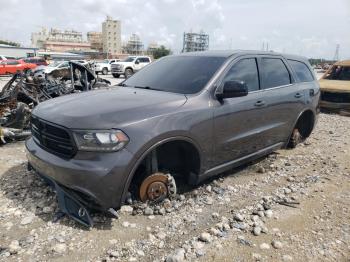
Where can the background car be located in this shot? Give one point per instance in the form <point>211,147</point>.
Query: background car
<point>104,66</point>
<point>129,66</point>
<point>40,61</point>
<point>2,57</point>
<point>52,66</point>
<point>10,66</point>
<point>335,87</point>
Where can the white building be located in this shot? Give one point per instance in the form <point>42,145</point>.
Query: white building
<point>111,36</point>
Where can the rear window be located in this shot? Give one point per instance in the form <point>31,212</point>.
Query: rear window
<point>274,73</point>
<point>339,73</point>
<point>302,71</point>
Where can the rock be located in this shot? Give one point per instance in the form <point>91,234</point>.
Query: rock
<point>261,170</point>
<point>182,198</point>
<point>125,224</point>
<point>27,220</point>
<point>256,256</point>
<point>209,200</point>
<point>177,256</point>
<point>205,237</point>
<point>264,229</point>
<point>268,213</point>
<point>287,191</point>
<point>148,211</point>
<point>276,244</point>
<point>126,209</point>
<point>161,235</point>
<point>200,253</point>
<point>140,253</point>
<point>264,246</point>
<point>113,253</point>
<point>47,210</point>
<point>14,247</point>
<point>241,226</point>
<point>162,211</point>
<point>198,245</point>
<point>238,217</point>
<point>243,241</point>
<point>59,248</point>
<point>257,231</point>
<point>287,258</point>
<point>208,188</point>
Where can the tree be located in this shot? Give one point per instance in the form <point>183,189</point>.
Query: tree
<point>160,52</point>
<point>4,42</point>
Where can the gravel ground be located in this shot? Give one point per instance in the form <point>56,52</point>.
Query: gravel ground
<point>239,216</point>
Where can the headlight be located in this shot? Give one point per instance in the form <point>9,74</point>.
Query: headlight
<point>100,140</point>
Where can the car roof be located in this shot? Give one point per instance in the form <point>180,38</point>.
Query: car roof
<point>343,63</point>
<point>230,53</point>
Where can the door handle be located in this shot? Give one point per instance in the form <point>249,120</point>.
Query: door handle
<point>260,103</point>
<point>298,95</point>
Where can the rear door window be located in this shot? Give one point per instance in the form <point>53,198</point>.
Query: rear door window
<point>302,71</point>
<point>274,73</point>
<point>245,70</point>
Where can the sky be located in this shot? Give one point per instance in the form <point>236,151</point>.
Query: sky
<point>311,28</point>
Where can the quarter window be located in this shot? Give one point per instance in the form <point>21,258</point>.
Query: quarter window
<point>245,70</point>
<point>274,73</point>
<point>302,71</point>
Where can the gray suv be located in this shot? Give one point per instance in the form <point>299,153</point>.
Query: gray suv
<point>184,117</point>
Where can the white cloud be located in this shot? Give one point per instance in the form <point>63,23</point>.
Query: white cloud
<point>303,27</point>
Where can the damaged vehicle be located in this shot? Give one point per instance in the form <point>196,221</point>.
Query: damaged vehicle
<point>26,90</point>
<point>183,118</point>
<point>335,87</point>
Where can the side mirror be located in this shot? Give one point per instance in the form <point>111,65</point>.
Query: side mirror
<point>137,62</point>
<point>233,88</point>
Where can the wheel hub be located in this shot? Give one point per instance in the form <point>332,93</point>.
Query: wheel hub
<point>157,187</point>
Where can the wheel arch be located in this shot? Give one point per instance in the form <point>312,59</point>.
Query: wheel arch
<point>306,112</point>
<point>155,145</point>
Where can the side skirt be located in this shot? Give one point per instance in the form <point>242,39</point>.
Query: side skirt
<point>239,161</point>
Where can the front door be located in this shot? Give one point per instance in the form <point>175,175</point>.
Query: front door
<point>238,121</point>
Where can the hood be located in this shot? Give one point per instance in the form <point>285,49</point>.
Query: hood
<point>109,108</point>
<point>334,85</point>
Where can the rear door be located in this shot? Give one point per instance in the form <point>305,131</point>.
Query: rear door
<point>283,99</point>
<point>238,121</point>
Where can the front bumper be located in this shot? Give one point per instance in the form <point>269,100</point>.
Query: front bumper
<point>117,71</point>
<point>97,178</point>
<point>334,105</point>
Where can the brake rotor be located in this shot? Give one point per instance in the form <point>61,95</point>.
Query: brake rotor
<point>157,187</point>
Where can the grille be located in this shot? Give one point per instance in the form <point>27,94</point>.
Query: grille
<point>335,97</point>
<point>52,138</point>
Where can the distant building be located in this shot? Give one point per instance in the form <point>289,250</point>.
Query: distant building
<point>95,39</point>
<point>151,48</point>
<point>134,46</point>
<point>17,52</point>
<point>59,40</point>
<point>111,36</point>
<point>193,42</point>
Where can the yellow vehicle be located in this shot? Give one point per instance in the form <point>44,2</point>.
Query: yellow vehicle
<point>335,87</point>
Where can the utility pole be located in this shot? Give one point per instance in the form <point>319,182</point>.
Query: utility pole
<point>336,54</point>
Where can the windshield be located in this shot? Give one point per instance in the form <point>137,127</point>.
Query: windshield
<point>339,73</point>
<point>55,63</point>
<point>177,74</point>
<point>129,59</point>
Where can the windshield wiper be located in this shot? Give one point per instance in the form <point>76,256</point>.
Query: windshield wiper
<point>147,87</point>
